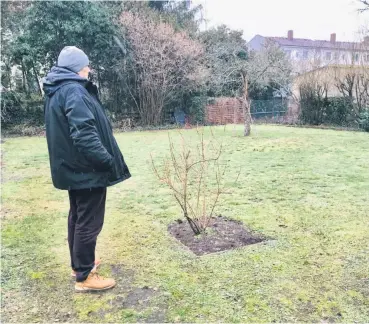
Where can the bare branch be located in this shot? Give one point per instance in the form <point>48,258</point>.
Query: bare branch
<point>188,173</point>
<point>163,63</point>
<point>366,4</point>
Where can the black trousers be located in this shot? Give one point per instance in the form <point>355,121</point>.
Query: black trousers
<point>85,221</point>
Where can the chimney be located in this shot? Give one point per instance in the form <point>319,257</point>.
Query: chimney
<point>290,35</point>
<point>333,38</point>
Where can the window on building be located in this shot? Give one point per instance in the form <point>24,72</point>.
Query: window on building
<point>343,57</point>
<point>305,55</point>
<point>336,56</point>
<point>288,53</point>
<point>356,57</point>
<point>297,55</point>
<point>328,56</point>
<point>366,58</point>
<point>317,54</point>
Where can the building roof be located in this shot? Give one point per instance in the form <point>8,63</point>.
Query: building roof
<point>324,44</point>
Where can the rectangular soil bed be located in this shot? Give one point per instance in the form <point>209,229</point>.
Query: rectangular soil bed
<point>222,234</point>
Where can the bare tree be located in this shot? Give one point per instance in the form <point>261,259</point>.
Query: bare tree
<point>353,84</point>
<point>162,62</point>
<point>190,173</point>
<point>361,92</point>
<point>241,73</point>
<point>365,3</point>
<point>265,68</point>
<point>313,96</point>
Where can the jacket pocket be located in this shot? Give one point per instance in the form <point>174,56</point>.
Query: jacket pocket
<point>79,165</point>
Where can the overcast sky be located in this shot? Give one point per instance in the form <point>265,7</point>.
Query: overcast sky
<point>314,19</point>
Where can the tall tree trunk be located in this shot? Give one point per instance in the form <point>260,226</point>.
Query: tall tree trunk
<point>247,128</point>
<point>246,107</point>
<point>24,83</point>
<point>9,76</point>
<point>37,79</point>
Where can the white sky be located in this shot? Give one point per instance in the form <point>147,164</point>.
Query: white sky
<point>314,19</point>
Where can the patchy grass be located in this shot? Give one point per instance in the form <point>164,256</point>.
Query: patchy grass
<point>306,188</point>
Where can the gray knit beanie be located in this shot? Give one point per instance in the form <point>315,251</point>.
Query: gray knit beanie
<point>73,59</point>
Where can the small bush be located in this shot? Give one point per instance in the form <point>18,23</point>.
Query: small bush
<point>20,109</point>
<point>317,109</point>
<point>364,120</point>
<point>196,109</point>
<point>337,111</point>
<point>313,103</point>
<point>24,130</point>
<point>11,106</point>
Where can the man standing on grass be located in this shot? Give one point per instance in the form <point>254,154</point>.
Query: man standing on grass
<point>84,159</point>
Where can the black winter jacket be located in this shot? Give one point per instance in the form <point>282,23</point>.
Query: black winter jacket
<point>82,149</point>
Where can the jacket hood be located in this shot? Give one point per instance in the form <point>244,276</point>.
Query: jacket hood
<point>56,78</point>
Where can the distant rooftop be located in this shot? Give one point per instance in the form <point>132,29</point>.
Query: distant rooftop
<point>324,44</point>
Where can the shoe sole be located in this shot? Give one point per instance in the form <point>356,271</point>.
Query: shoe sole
<point>82,290</point>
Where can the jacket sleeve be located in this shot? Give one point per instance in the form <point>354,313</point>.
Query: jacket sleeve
<point>83,131</point>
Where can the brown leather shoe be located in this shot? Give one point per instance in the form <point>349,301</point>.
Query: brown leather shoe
<point>97,264</point>
<point>94,282</point>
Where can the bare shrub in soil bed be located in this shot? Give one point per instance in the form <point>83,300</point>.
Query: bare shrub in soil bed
<point>196,177</point>
<point>221,234</point>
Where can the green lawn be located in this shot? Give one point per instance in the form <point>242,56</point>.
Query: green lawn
<point>307,189</point>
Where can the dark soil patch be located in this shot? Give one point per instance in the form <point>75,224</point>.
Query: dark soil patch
<point>139,298</point>
<point>142,299</point>
<point>222,234</point>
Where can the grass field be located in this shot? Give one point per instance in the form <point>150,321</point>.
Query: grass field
<point>306,189</point>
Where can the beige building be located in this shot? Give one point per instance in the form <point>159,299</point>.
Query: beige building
<point>334,80</point>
